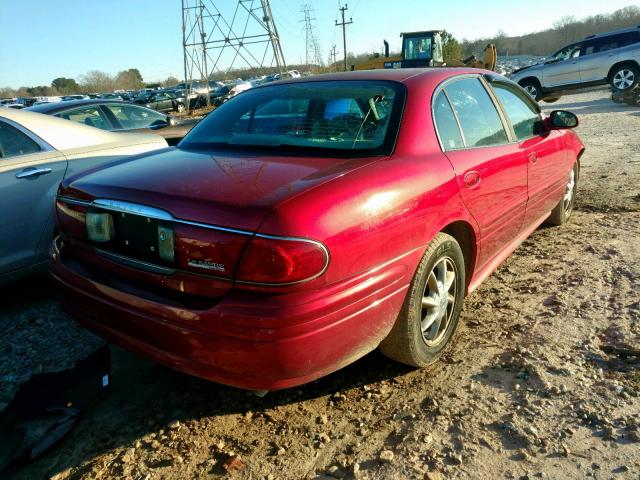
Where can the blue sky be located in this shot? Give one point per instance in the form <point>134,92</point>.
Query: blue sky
<point>44,39</point>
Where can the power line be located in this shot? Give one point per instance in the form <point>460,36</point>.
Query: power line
<point>344,24</point>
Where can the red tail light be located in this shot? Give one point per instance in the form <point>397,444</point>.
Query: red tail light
<point>271,260</point>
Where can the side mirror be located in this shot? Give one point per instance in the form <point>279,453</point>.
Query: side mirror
<point>159,124</point>
<point>562,120</point>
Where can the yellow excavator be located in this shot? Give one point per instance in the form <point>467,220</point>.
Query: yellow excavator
<point>424,49</point>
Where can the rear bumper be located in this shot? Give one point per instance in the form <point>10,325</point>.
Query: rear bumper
<point>245,340</point>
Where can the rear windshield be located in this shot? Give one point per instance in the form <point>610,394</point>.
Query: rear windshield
<point>339,117</point>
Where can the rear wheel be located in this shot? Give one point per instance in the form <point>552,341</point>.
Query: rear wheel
<point>562,211</point>
<point>624,77</point>
<point>533,88</point>
<point>181,108</point>
<point>431,310</point>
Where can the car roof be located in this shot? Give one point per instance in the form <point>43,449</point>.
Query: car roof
<point>61,134</point>
<point>54,107</point>
<point>612,32</point>
<point>407,76</point>
<point>402,75</point>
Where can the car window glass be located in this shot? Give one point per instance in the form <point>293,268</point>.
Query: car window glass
<point>522,115</point>
<point>13,142</point>
<point>342,116</point>
<point>589,49</point>
<point>478,117</point>
<point>341,106</point>
<point>92,116</point>
<point>417,48</point>
<point>566,53</point>
<point>131,117</point>
<point>448,129</point>
<point>608,44</point>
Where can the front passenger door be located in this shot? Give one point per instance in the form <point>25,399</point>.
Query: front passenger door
<point>544,150</point>
<point>564,68</point>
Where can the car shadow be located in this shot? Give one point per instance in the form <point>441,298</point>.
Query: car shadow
<point>602,105</point>
<point>148,397</point>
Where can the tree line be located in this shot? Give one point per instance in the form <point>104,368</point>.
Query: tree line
<point>94,81</point>
<point>564,31</point>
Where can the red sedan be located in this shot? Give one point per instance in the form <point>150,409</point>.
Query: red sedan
<point>303,224</point>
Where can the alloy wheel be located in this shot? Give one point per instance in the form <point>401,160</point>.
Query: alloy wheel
<point>531,90</point>
<point>438,301</point>
<point>567,201</point>
<point>623,79</point>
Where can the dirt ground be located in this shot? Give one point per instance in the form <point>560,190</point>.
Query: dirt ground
<point>542,380</point>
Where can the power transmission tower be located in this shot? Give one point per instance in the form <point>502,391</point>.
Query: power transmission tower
<point>332,56</point>
<point>218,36</point>
<point>344,32</point>
<point>312,52</point>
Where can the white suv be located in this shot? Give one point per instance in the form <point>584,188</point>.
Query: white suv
<point>612,57</point>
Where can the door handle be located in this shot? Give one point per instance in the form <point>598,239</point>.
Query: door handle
<point>31,172</point>
<point>471,179</point>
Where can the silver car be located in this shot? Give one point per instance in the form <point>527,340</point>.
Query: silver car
<point>36,153</point>
<point>612,57</point>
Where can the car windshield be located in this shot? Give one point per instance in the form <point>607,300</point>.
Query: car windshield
<point>334,116</point>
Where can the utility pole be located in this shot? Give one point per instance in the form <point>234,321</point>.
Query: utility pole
<point>344,32</point>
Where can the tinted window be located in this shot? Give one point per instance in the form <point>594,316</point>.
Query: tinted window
<point>628,38</point>
<point>478,117</point>
<point>131,117</point>
<point>92,116</point>
<point>521,113</point>
<point>13,142</point>
<point>306,117</point>
<point>448,130</point>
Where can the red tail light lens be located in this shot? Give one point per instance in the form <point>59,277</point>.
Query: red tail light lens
<point>211,252</point>
<point>282,261</point>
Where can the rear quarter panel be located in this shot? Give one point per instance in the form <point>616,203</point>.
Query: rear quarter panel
<point>387,211</point>
<point>85,158</point>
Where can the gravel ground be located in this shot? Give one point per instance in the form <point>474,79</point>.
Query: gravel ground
<point>542,381</point>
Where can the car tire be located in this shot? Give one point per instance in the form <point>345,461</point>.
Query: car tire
<point>409,341</point>
<point>624,78</point>
<point>562,211</point>
<point>533,88</point>
<point>180,108</point>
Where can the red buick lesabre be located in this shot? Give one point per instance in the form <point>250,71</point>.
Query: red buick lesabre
<point>305,223</point>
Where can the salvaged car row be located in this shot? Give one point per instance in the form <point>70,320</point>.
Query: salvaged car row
<point>295,228</point>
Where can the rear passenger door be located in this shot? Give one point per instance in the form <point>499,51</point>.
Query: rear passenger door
<point>544,150</point>
<point>490,168</point>
<point>597,57</point>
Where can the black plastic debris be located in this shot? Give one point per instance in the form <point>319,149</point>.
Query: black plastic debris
<point>46,407</point>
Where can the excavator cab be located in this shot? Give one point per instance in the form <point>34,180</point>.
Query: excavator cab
<point>419,49</point>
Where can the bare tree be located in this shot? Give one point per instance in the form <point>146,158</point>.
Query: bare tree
<point>96,81</point>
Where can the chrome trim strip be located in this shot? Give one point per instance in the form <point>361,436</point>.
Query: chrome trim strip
<point>126,207</point>
<point>133,208</point>
<point>132,262</point>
